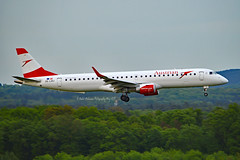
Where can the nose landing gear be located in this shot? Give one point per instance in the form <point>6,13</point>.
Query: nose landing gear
<point>205,90</point>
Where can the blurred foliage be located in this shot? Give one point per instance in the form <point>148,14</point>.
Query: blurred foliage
<point>12,96</point>
<point>65,133</point>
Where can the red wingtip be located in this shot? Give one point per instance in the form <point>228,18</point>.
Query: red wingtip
<point>97,73</point>
<point>21,51</point>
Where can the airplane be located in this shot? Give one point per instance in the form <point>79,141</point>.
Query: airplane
<point>146,83</point>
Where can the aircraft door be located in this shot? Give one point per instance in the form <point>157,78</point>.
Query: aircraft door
<point>59,82</point>
<point>201,75</point>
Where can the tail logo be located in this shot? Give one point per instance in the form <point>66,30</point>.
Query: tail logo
<point>25,62</point>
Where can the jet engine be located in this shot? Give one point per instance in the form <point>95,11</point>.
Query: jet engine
<point>148,89</point>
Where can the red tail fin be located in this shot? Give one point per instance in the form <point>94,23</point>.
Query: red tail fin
<point>30,67</point>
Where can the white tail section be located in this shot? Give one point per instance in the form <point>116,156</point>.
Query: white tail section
<point>30,67</point>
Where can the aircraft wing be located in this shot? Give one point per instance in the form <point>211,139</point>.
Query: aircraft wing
<point>118,85</point>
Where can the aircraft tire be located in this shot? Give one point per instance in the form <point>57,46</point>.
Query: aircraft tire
<point>125,98</point>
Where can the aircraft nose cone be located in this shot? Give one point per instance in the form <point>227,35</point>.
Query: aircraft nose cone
<point>224,80</point>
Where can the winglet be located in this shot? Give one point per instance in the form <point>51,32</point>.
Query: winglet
<point>97,73</point>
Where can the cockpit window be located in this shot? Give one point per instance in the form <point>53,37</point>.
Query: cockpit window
<point>212,72</point>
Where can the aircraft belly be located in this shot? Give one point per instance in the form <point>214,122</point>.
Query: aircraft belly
<point>80,86</point>
<point>178,83</point>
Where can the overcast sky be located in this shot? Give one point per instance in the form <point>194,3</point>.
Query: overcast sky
<point>70,36</point>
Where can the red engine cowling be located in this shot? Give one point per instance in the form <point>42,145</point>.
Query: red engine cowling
<point>148,89</point>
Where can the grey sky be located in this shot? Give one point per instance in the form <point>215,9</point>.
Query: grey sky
<point>71,36</point>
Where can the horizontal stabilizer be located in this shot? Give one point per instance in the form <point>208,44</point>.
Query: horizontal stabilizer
<point>26,79</point>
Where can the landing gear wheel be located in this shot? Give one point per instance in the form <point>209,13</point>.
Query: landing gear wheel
<point>205,90</point>
<point>125,98</point>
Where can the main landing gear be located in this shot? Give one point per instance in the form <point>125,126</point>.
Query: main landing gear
<point>125,98</point>
<point>205,90</point>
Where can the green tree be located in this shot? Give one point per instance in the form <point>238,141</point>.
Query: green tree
<point>93,135</point>
<point>193,155</point>
<point>192,137</point>
<point>176,118</point>
<point>153,138</point>
<point>220,155</point>
<point>64,134</point>
<point>107,155</point>
<point>170,138</point>
<point>8,156</point>
<point>224,123</point>
<point>86,112</point>
<point>124,138</point>
<point>132,155</point>
<point>58,110</point>
<point>20,138</point>
<point>44,157</point>
<point>62,156</point>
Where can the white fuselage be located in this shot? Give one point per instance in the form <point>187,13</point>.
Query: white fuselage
<point>176,78</point>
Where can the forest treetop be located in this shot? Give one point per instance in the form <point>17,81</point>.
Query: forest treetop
<point>88,131</point>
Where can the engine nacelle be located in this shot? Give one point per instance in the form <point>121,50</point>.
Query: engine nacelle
<point>148,89</point>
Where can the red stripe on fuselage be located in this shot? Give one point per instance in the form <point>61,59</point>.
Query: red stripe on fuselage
<point>21,51</point>
<point>40,72</point>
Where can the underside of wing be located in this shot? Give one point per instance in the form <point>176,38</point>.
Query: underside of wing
<point>118,85</point>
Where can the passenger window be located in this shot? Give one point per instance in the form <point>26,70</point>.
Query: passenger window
<point>70,79</point>
<point>145,75</point>
<point>176,74</point>
<point>159,75</point>
<point>126,76</point>
<point>83,78</point>
<point>75,79</point>
<point>135,76</point>
<point>79,79</point>
<point>172,74</point>
<point>65,79</point>
<point>210,73</point>
<point>154,75</point>
<point>92,78</point>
